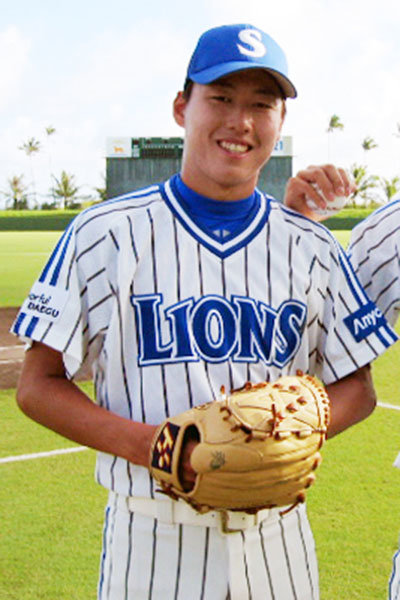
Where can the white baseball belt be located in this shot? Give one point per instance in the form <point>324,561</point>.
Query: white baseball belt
<point>179,512</point>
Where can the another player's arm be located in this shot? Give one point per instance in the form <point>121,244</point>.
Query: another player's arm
<point>46,395</point>
<point>352,399</point>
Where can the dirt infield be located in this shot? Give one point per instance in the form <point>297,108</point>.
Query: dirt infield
<point>12,351</point>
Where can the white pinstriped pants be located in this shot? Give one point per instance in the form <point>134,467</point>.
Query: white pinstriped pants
<point>145,559</point>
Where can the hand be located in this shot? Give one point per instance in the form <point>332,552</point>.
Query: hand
<point>331,181</point>
<point>187,476</point>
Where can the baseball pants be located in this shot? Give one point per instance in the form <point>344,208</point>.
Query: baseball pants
<point>145,558</point>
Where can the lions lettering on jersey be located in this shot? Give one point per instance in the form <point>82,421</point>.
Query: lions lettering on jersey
<point>216,329</point>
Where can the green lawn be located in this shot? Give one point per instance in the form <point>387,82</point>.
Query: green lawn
<point>51,509</point>
<point>22,256</point>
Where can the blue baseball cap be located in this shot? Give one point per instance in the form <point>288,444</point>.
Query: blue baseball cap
<point>230,48</point>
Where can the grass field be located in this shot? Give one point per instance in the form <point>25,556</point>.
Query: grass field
<point>52,510</point>
<point>22,256</point>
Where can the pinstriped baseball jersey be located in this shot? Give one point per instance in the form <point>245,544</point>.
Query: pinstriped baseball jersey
<point>167,313</point>
<point>374,251</point>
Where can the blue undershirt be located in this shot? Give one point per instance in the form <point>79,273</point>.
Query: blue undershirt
<point>222,218</point>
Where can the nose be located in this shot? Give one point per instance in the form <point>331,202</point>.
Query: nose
<point>240,119</point>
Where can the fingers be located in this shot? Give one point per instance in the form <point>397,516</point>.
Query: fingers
<point>187,476</point>
<point>331,181</point>
<point>320,185</point>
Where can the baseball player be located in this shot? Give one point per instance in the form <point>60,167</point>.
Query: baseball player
<point>374,254</point>
<point>174,290</point>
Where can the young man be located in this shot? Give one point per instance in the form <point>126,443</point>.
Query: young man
<point>177,289</point>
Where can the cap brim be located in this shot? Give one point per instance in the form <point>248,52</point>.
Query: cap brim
<point>218,71</point>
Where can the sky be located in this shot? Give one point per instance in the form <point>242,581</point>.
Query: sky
<point>93,70</point>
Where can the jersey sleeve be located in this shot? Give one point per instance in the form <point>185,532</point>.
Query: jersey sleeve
<point>69,305</point>
<point>374,254</point>
<point>354,330</point>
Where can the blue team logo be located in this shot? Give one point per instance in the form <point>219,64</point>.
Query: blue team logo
<point>365,321</point>
<point>216,329</point>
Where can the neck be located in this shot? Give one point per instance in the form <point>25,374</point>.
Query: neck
<point>218,190</point>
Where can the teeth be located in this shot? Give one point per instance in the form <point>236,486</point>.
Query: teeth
<point>239,148</point>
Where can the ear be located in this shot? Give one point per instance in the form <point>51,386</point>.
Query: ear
<point>179,107</point>
<point>283,115</point>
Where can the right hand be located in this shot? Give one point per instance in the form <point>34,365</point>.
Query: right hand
<point>332,181</point>
<point>187,475</point>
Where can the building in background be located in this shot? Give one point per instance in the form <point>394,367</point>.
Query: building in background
<point>134,163</point>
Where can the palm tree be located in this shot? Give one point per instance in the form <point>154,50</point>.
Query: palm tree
<point>31,147</point>
<point>101,190</point>
<point>390,186</point>
<point>50,131</point>
<point>368,144</point>
<point>16,194</point>
<point>66,190</point>
<point>335,124</point>
<point>364,184</point>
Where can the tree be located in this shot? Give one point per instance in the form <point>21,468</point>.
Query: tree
<point>368,143</point>
<point>66,190</point>
<point>334,124</point>
<point>101,190</point>
<point>31,147</point>
<point>50,131</point>
<point>16,194</point>
<point>397,133</point>
<point>390,186</point>
<point>364,184</point>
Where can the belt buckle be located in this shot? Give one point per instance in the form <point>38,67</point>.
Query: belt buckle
<point>225,518</point>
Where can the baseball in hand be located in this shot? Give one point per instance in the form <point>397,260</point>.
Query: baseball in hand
<point>333,206</point>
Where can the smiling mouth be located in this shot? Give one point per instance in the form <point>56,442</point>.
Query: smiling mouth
<point>234,148</point>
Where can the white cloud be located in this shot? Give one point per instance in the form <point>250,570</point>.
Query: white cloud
<point>120,80</point>
<point>13,61</point>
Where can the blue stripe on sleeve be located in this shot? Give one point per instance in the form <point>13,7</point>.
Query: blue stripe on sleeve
<point>56,273</point>
<point>52,257</point>
<point>18,322</point>
<point>34,321</point>
<point>66,234</point>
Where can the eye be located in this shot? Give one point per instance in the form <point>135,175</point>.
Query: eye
<point>220,98</point>
<point>264,106</point>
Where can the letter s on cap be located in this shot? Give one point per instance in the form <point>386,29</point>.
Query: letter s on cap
<point>252,38</point>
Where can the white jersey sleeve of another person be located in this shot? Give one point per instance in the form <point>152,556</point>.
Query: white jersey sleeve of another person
<point>374,252</point>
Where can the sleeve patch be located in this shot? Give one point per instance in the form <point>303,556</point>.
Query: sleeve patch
<point>366,320</point>
<point>45,301</point>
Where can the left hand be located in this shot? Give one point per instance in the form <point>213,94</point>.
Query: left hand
<point>332,181</point>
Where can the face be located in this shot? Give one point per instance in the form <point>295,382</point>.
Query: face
<point>231,128</point>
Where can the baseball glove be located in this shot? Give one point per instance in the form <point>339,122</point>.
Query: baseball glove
<point>258,446</point>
